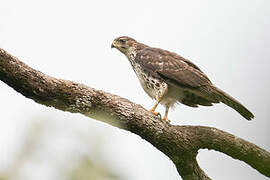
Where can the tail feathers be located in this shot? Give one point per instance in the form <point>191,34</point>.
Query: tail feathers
<point>233,103</point>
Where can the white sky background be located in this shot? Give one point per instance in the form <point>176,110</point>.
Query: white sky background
<point>229,40</point>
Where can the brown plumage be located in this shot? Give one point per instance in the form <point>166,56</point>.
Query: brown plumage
<point>169,78</point>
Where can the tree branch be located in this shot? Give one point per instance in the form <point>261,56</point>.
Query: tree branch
<point>179,143</point>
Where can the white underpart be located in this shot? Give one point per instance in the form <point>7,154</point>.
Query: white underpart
<point>154,87</point>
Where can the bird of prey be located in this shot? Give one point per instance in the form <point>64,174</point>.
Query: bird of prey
<point>169,78</point>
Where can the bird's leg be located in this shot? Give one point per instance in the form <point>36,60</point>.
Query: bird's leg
<point>165,118</point>
<point>152,110</point>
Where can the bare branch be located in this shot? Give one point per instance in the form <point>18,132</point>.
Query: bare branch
<point>179,143</point>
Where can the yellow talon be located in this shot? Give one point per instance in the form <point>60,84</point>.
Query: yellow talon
<point>154,112</point>
<point>166,119</point>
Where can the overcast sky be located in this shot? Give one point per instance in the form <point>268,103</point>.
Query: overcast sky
<point>229,40</point>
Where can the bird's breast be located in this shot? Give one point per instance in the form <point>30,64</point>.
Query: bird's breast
<point>153,86</point>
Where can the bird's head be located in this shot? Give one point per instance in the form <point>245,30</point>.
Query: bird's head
<point>124,44</point>
<point>127,44</point>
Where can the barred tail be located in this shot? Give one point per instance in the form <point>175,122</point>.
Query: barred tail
<point>233,103</point>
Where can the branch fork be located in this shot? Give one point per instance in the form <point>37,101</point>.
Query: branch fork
<point>180,143</point>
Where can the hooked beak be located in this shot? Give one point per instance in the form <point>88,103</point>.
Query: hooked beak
<point>113,45</point>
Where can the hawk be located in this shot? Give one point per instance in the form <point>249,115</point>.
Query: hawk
<point>169,78</point>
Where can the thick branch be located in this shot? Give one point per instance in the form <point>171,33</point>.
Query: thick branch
<point>179,143</point>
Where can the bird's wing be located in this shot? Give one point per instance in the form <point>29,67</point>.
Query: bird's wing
<point>171,67</point>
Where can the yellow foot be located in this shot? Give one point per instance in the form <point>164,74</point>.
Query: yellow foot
<point>166,119</point>
<point>154,112</point>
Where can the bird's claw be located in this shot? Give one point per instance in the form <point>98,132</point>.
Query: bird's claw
<point>166,120</point>
<point>156,113</point>
<point>159,116</point>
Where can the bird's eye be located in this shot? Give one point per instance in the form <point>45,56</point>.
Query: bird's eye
<point>122,41</point>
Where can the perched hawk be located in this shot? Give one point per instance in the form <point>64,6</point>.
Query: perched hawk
<point>169,78</point>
